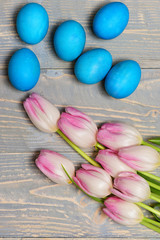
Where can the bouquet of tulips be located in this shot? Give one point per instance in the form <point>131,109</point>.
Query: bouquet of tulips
<point>119,176</point>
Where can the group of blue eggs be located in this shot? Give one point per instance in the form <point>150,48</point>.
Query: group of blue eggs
<point>69,41</point>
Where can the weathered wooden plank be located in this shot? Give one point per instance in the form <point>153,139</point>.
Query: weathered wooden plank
<point>61,87</point>
<point>72,238</point>
<point>86,238</point>
<point>38,208</point>
<point>140,41</point>
<point>30,204</point>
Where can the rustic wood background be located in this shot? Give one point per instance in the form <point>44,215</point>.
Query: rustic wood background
<point>31,206</point>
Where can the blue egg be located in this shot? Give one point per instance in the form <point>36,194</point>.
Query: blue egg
<point>69,40</point>
<point>111,20</point>
<point>32,23</point>
<point>123,79</point>
<point>23,69</point>
<point>92,66</point>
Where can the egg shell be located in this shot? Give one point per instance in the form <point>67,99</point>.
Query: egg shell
<point>23,69</point>
<point>32,23</point>
<point>123,79</point>
<point>69,40</point>
<point>111,20</point>
<point>92,66</point>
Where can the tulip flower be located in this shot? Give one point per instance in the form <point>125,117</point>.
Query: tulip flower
<point>78,127</point>
<point>131,187</point>
<point>94,181</point>
<point>142,158</point>
<point>42,113</point>
<point>110,161</point>
<point>45,116</point>
<point>50,163</point>
<point>122,212</point>
<point>118,135</point>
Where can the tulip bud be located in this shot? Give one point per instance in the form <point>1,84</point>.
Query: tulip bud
<point>42,113</point>
<point>78,127</point>
<point>122,212</point>
<point>93,180</point>
<point>111,162</point>
<point>118,135</point>
<point>142,158</point>
<point>50,163</point>
<point>131,187</point>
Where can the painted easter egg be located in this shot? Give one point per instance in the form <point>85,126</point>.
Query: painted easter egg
<point>111,20</point>
<point>123,79</point>
<point>69,40</point>
<point>24,69</point>
<point>92,66</point>
<point>32,23</point>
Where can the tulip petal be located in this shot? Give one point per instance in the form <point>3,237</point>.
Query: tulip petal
<point>81,115</point>
<point>110,161</point>
<point>38,100</point>
<point>141,158</point>
<point>127,197</point>
<point>94,181</point>
<point>77,130</point>
<point>118,135</point>
<point>50,163</point>
<point>75,112</point>
<point>101,173</point>
<point>78,127</point>
<point>131,187</point>
<point>82,185</point>
<point>48,169</point>
<point>123,212</point>
<point>115,218</point>
<point>29,108</point>
<point>131,175</point>
<point>42,113</point>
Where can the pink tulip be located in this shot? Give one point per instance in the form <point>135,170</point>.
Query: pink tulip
<point>93,180</point>
<point>78,127</point>
<point>110,161</point>
<point>42,113</point>
<point>142,158</point>
<point>122,212</point>
<point>131,187</point>
<point>50,163</point>
<point>118,135</point>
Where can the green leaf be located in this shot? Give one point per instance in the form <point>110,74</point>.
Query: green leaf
<point>155,191</point>
<point>153,183</point>
<point>155,140</point>
<point>150,176</point>
<point>94,198</point>
<point>157,207</point>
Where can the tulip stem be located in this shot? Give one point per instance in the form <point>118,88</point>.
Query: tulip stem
<point>147,174</point>
<point>153,197</point>
<point>151,221</point>
<point>155,192</point>
<point>100,146</point>
<point>150,225</point>
<point>77,149</point>
<point>148,208</point>
<point>150,145</point>
<point>151,184</point>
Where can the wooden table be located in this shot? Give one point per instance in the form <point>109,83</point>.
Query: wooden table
<point>31,206</point>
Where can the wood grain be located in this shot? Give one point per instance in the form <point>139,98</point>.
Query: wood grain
<point>140,41</point>
<point>72,238</point>
<point>30,204</point>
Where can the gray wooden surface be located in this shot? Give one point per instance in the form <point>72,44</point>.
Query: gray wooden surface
<point>31,206</point>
